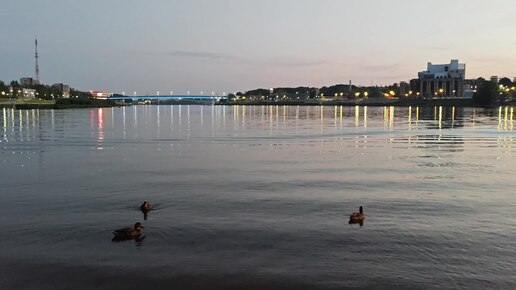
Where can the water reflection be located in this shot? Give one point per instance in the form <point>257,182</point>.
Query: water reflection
<point>388,118</point>
<point>360,223</point>
<point>4,123</point>
<point>442,117</point>
<point>505,119</point>
<point>123,121</point>
<point>100,128</point>
<point>365,117</point>
<point>357,115</point>
<point>186,122</point>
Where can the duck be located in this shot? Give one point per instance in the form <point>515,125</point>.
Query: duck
<point>146,206</point>
<point>128,233</point>
<point>357,217</point>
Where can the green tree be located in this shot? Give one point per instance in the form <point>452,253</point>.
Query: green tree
<point>506,82</point>
<point>16,89</point>
<point>4,90</point>
<point>79,94</point>
<point>486,94</point>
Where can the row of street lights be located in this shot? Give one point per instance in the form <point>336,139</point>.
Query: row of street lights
<point>172,93</point>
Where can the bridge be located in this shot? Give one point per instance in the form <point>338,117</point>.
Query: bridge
<point>168,97</point>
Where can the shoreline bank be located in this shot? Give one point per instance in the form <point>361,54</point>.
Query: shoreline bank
<point>58,104</point>
<point>373,103</point>
<point>96,103</point>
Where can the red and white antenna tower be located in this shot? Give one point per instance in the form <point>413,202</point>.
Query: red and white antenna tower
<point>36,56</point>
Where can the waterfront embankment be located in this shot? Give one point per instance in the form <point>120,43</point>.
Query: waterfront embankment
<point>25,104</point>
<point>373,102</point>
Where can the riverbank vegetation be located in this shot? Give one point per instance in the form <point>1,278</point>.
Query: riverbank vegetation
<point>69,103</point>
<point>482,93</point>
<point>478,92</point>
<point>43,96</point>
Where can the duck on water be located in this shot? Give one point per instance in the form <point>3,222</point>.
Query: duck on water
<point>146,206</point>
<point>357,217</point>
<point>129,233</point>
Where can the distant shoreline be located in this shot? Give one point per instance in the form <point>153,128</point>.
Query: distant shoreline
<point>96,103</point>
<point>59,104</point>
<point>373,103</point>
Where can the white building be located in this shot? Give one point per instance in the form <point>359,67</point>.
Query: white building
<point>442,80</point>
<point>29,93</point>
<point>100,94</point>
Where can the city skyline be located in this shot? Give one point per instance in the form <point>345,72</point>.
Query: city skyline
<point>229,46</point>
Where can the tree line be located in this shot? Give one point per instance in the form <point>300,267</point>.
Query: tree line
<point>46,92</point>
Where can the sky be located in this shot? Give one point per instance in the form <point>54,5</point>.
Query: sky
<point>237,45</point>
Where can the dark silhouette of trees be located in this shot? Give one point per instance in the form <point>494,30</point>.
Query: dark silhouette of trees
<point>486,94</point>
<point>42,91</point>
<point>4,90</point>
<point>506,82</point>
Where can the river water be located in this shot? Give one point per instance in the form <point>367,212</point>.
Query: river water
<point>258,197</point>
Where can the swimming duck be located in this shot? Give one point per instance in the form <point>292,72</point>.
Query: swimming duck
<point>146,206</point>
<point>357,217</point>
<point>128,233</point>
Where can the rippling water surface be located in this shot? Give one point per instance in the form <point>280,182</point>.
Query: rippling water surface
<point>258,198</point>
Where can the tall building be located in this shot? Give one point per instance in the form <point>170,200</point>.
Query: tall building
<point>404,89</point>
<point>442,80</point>
<point>63,89</point>
<point>27,82</point>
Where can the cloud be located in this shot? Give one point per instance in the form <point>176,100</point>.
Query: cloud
<point>293,62</point>
<point>189,54</point>
<point>377,68</point>
<point>437,47</point>
<point>391,77</point>
<point>489,59</point>
<point>507,19</point>
<point>274,61</point>
<point>197,54</point>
